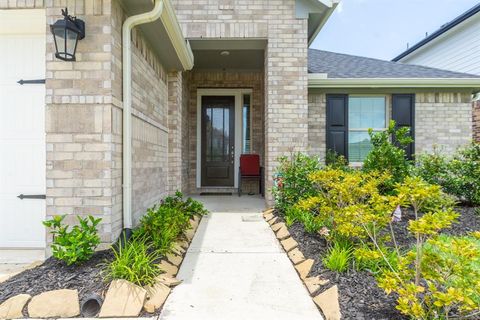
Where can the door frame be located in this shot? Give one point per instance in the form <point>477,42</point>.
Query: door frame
<point>238,94</point>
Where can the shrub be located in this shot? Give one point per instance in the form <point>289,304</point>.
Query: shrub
<point>459,176</point>
<point>388,154</point>
<point>135,262</point>
<point>450,279</point>
<point>163,224</point>
<point>76,244</point>
<point>371,259</point>
<point>336,161</point>
<point>338,257</point>
<point>293,183</point>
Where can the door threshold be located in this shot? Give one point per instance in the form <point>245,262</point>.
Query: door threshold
<point>216,193</point>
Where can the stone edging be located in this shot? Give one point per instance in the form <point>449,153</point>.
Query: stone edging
<point>123,298</point>
<point>326,301</point>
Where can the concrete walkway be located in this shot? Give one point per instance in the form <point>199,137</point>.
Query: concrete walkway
<point>236,269</point>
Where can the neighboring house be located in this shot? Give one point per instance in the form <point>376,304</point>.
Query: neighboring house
<point>243,82</point>
<point>456,47</point>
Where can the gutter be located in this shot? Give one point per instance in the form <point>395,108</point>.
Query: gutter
<point>128,25</point>
<point>321,81</point>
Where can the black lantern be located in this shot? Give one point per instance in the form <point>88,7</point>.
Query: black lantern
<point>66,34</point>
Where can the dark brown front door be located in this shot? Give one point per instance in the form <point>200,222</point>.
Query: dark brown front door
<point>218,141</point>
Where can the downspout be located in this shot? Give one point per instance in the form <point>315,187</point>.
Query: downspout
<point>128,25</point>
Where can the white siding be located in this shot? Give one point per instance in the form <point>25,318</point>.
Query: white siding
<point>457,50</point>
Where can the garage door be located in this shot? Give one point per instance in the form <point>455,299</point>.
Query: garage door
<point>22,129</point>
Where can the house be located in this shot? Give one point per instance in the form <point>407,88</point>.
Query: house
<point>201,82</point>
<point>452,47</point>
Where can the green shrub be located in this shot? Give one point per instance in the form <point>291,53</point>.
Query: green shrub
<point>338,257</point>
<point>76,244</point>
<point>387,156</point>
<point>163,224</point>
<point>450,274</point>
<point>458,176</point>
<point>336,161</point>
<point>292,182</point>
<point>371,259</point>
<point>136,262</point>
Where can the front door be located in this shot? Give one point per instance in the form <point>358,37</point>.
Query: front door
<point>218,141</point>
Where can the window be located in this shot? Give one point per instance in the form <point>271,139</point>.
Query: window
<point>246,134</point>
<point>364,112</point>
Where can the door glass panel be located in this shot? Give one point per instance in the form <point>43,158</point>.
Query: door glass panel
<point>217,123</point>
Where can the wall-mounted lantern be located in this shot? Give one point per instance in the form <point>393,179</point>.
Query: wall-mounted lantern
<point>66,33</point>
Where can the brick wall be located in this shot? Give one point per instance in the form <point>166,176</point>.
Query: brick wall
<point>21,4</point>
<point>285,83</point>
<point>476,120</point>
<point>441,119</point>
<point>218,79</point>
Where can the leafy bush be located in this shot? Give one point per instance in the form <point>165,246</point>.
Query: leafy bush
<point>450,273</point>
<point>76,244</point>
<point>338,257</point>
<point>135,262</point>
<point>163,224</point>
<point>371,259</point>
<point>388,155</point>
<point>292,182</point>
<point>336,161</point>
<point>459,176</point>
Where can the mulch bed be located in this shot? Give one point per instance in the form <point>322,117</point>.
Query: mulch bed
<point>54,274</point>
<point>359,296</point>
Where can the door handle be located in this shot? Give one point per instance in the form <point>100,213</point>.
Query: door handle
<point>31,196</point>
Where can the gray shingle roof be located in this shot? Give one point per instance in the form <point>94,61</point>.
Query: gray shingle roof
<point>339,65</point>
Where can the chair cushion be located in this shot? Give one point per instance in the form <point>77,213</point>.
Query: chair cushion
<point>250,165</point>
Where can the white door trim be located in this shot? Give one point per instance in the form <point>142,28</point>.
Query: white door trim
<point>238,94</point>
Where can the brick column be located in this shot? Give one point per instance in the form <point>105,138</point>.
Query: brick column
<point>80,144</point>
<point>476,120</point>
<point>286,100</point>
<point>175,106</point>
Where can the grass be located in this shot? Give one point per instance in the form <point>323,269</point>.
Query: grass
<point>338,257</point>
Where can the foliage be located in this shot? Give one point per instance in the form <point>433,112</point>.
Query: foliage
<point>388,154</point>
<point>162,224</point>
<point>450,285</point>
<point>135,262</point>
<point>349,204</point>
<point>293,183</point>
<point>76,244</point>
<point>371,259</point>
<point>336,161</point>
<point>338,257</point>
<point>459,176</point>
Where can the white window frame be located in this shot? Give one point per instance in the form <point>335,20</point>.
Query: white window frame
<point>387,117</point>
<point>238,94</point>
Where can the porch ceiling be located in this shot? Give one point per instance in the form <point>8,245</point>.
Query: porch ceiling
<point>237,54</point>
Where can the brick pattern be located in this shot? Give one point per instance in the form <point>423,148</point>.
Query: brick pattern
<point>21,4</point>
<point>175,127</point>
<point>441,119</point>
<point>476,120</point>
<point>218,79</point>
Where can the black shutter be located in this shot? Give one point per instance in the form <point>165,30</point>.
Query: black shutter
<point>403,113</point>
<point>337,123</point>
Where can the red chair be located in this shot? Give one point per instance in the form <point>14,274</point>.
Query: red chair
<point>250,169</point>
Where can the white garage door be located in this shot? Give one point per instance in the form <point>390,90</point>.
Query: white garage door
<point>22,129</point>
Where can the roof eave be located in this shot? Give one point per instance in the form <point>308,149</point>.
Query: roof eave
<point>321,81</point>
<point>326,16</point>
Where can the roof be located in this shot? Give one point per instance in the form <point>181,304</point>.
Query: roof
<point>339,65</point>
<point>447,26</point>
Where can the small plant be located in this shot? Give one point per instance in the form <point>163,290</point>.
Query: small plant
<point>371,259</point>
<point>388,154</point>
<point>294,184</point>
<point>135,262</point>
<point>338,257</point>
<point>75,244</point>
<point>336,161</point>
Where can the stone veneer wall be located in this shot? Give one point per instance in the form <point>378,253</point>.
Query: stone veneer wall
<point>286,105</point>
<point>220,79</point>
<point>441,119</point>
<point>84,118</point>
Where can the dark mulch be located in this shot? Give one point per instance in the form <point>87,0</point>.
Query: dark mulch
<point>54,274</point>
<point>360,298</point>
